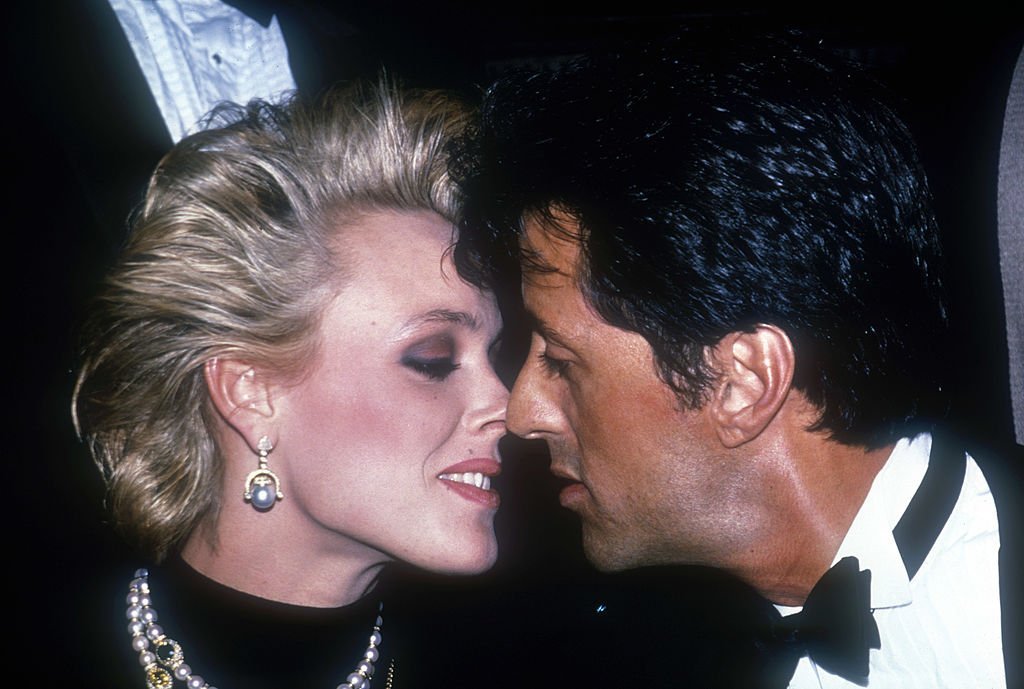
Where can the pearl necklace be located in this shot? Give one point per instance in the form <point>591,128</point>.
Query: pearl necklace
<point>163,660</point>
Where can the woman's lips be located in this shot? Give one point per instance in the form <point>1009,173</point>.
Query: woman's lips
<point>471,479</point>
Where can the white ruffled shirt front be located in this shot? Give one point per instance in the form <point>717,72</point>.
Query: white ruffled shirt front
<point>197,53</point>
<point>943,628</point>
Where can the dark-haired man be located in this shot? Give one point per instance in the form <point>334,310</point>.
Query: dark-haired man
<point>731,267</point>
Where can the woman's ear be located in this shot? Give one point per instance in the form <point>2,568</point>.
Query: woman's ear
<point>755,372</point>
<point>242,394</point>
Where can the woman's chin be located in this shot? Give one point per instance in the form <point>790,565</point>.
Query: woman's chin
<point>475,559</point>
<point>483,563</point>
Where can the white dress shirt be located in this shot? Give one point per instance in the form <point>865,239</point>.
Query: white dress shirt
<point>197,53</point>
<point>943,628</point>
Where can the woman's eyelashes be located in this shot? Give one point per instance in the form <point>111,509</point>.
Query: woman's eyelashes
<point>433,359</point>
<point>434,368</point>
<point>438,359</point>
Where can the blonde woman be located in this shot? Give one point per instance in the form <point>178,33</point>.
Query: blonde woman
<point>287,386</point>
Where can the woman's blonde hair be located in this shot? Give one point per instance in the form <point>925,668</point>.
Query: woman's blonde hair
<point>234,253</point>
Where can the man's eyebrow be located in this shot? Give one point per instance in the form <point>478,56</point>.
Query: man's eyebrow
<point>537,325</point>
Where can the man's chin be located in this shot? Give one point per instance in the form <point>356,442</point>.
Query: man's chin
<point>607,554</point>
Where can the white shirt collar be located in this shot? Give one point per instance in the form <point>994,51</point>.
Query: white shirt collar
<point>870,538</point>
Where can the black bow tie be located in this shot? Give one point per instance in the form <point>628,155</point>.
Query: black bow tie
<point>835,627</point>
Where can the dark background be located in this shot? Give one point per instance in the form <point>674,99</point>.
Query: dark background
<point>77,160</point>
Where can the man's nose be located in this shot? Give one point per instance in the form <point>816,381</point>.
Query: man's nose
<point>533,411</point>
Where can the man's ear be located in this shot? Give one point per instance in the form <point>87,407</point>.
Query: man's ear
<point>242,394</point>
<point>755,372</point>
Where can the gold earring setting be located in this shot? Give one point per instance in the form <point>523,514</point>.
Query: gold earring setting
<point>262,487</point>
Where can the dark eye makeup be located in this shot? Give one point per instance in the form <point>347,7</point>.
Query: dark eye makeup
<point>435,369</point>
<point>433,358</point>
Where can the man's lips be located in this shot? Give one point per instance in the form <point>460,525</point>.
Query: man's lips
<point>563,473</point>
<point>471,479</point>
<point>573,491</point>
<point>572,495</point>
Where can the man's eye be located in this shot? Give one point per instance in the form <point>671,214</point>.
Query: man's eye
<point>556,367</point>
<point>434,369</point>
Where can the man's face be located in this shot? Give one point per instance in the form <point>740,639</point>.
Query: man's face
<point>641,477</point>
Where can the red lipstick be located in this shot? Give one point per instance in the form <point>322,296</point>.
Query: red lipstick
<point>471,479</point>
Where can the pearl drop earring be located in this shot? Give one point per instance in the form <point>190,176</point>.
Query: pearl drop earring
<point>262,487</point>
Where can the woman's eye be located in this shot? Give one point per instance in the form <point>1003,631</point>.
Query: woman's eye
<point>434,369</point>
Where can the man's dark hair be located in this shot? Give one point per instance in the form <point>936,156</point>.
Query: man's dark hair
<point>719,183</point>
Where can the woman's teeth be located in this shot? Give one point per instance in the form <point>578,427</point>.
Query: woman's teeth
<point>473,478</point>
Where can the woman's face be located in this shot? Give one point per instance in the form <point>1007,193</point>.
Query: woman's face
<point>386,447</point>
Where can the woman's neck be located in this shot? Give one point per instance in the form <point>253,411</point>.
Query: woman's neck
<point>288,570</point>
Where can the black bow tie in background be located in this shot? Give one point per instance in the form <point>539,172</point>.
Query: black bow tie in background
<point>835,627</point>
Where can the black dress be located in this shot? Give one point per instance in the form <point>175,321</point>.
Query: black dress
<point>232,639</point>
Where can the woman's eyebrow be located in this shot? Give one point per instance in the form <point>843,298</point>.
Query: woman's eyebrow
<point>461,318</point>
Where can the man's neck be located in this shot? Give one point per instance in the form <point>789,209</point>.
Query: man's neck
<point>816,490</point>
